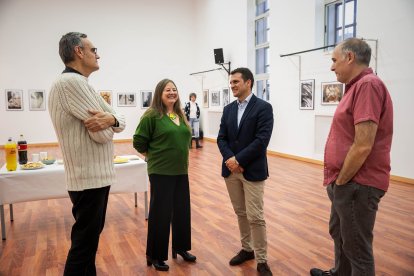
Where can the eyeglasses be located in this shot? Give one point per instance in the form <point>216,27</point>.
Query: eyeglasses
<point>93,50</point>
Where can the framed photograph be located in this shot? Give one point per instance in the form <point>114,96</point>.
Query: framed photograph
<point>14,99</point>
<point>146,99</point>
<point>37,99</point>
<point>205,98</point>
<point>215,98</point>
<point>127,99</point>
<point>226,96</point>
<point>332,92</point>
<point>106,95</point>
<point>307,94</point>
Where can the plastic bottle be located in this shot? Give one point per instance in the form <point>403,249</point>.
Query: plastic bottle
<point>22,150</point>
<point>11,155</point>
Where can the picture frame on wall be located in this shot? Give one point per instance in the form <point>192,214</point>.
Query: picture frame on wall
<point>332,92</point>
<point>307,94</point>
<point>205,98</point>
<point>226,96</point>
<point>127,99</point>
<point>14,99</point>
<point>106,95</point>
<point>146,99</point>
<point>215,98</point>
<point>37,99</point>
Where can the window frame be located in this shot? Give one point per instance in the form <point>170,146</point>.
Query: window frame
<point>265,75</point>
<point>337,27</point>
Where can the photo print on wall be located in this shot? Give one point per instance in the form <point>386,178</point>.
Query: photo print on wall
<point>146,99</point>
<point>14,99</point>
<point>226,96</point>
<point>205,98</point>
<point>332,92</point>
<point>215,98</point>
<point>307,94</point>
<point>37,99</point>
<point>127,99</point>
<point>106,95</point>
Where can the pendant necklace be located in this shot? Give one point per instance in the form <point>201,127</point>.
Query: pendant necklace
<point>172,116</point>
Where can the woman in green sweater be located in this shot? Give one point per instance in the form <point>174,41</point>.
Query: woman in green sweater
<point>163,136</point>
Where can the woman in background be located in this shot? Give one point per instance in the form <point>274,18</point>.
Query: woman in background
<point>192,112</point>
<point>163,136</point>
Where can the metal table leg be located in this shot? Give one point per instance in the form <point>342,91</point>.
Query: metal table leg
<point>3,225</point>
<point>11,212</point>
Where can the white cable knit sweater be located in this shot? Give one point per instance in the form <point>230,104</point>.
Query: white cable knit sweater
<point>88,156</point>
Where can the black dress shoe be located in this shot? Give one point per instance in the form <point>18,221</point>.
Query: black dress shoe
<point>319,272</point>
<point>264,269</point>
<point>158,265</point>
<point>241,257</point>
<point>188,257</point>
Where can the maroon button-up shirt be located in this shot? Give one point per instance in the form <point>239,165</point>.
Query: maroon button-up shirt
<point>366,99</point>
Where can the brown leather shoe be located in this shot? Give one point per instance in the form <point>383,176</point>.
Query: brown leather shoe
<point>264,269</point>
<point>241,257</point>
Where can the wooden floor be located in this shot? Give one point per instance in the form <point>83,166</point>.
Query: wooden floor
<point>296,212</point>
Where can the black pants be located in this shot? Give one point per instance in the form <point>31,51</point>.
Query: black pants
<point>169,205</point>
<point>353,211</point>
<point>89,210</point>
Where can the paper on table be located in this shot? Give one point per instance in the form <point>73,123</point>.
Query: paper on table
<point>130,157</point>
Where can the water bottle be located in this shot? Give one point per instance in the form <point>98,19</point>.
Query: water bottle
<point>22,150</point>
<point>11,155</point>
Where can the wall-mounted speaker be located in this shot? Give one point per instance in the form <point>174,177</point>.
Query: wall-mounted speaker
<point>218,56</point>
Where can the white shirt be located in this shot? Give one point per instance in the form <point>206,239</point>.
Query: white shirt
<point>193,110</point>
<point>242,106</point>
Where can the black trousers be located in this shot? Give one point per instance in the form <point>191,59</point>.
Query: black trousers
<point>89,210</point>
<point>353,211</point>
<point>169,205</point>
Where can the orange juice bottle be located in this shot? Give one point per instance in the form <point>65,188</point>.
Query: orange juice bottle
<point>11,155</point>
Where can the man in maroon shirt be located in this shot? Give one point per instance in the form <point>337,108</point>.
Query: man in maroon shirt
<point>357,159</point>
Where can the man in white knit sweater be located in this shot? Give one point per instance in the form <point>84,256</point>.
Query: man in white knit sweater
<point>84,124</point>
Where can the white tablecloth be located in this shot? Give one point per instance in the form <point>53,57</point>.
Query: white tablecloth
<point>49,182</point>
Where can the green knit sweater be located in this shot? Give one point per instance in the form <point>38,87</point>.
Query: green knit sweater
<point>165,143</point>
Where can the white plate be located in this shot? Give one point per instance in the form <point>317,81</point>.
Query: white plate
<point>34,168</point>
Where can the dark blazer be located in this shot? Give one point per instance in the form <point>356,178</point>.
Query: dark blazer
<point>249,141</point>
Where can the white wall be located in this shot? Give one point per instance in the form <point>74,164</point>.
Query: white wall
<point>293,29</point>
<point>141,42</point>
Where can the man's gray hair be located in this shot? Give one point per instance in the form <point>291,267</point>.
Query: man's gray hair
<point>67,44</point>
<point>359,47</point>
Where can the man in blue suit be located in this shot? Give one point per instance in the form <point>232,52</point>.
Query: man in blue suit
<point>245,130</point>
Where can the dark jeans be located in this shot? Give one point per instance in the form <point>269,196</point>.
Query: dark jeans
<point>89,210</point>
<point>169,205</point>
<point>353,211</point>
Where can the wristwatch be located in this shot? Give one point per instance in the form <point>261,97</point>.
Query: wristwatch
<point>116,122</point>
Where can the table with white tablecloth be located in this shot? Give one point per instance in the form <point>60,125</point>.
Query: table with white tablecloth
<point>49,182</point>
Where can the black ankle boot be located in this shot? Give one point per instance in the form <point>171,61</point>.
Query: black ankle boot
<point>188,257</point>
<point>158,265</point>
<point>198,146</point>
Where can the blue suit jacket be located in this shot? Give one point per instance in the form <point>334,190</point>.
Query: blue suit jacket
<point>249,141</point>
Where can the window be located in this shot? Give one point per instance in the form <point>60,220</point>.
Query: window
<point>262,88</point>
<point>262,49</point>
<point>335,23</point>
